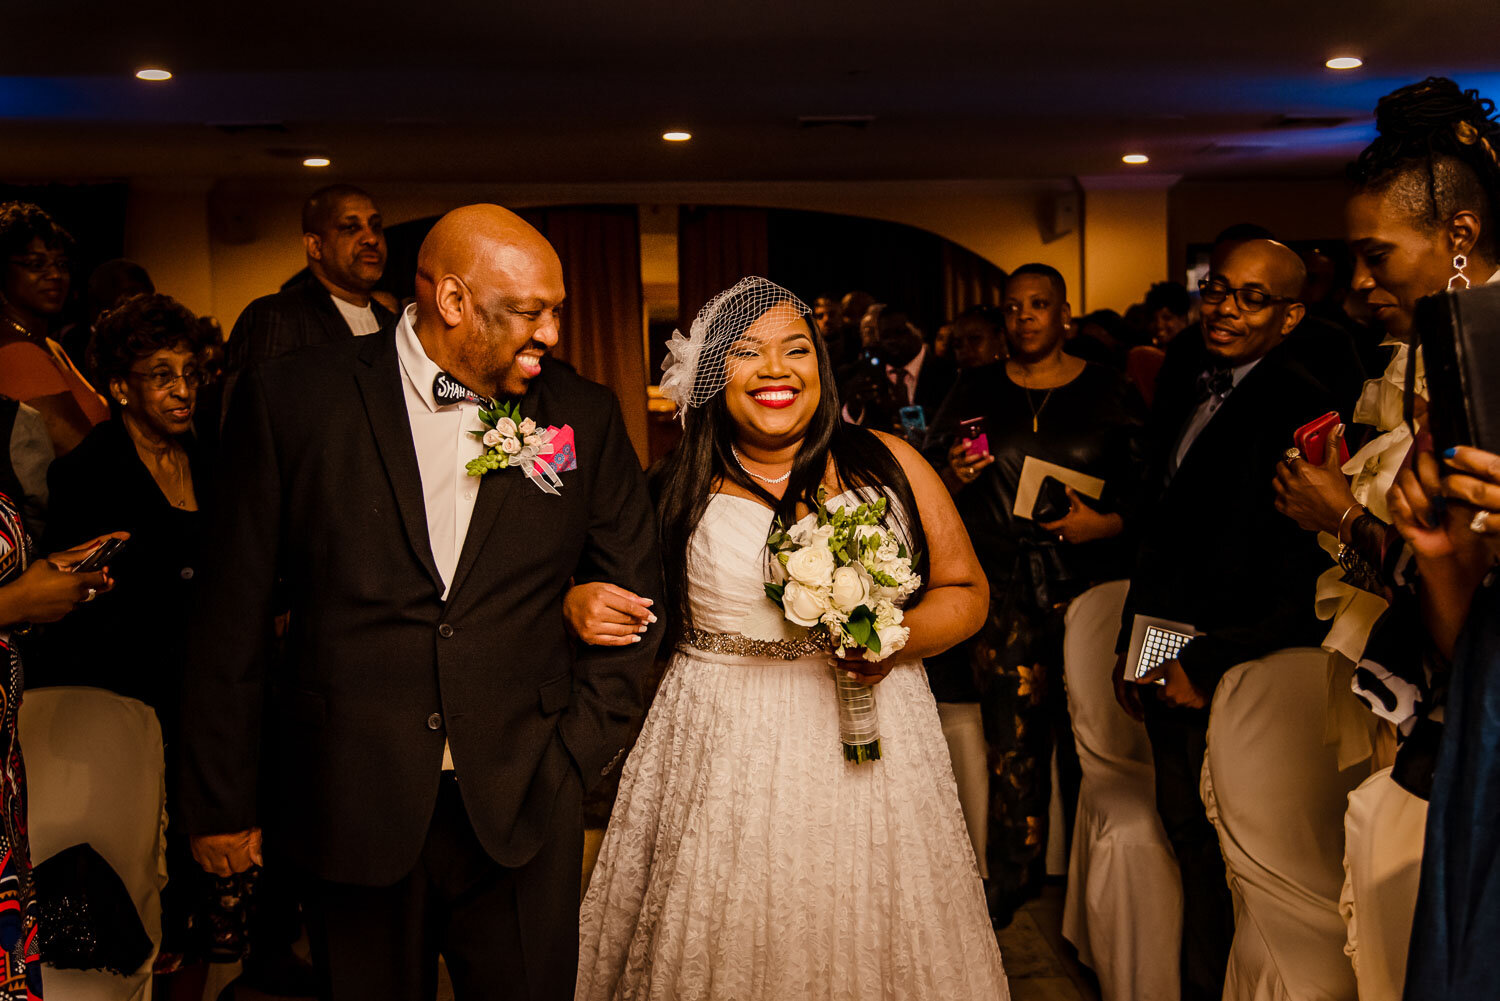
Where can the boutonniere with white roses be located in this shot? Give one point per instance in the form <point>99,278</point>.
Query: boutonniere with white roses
<point>843,571</point>
<point>511,440</point>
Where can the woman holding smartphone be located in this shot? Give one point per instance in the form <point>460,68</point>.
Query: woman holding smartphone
<point>1041,404</point>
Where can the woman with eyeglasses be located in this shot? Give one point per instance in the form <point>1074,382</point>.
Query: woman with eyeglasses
<point>34,282</point>
<point>141,472</point>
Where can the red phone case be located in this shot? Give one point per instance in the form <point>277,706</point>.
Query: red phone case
<point>1312,439</point>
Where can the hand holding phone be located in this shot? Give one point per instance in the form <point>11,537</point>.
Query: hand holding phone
<point>1311,439</point>
<point>973,433</point>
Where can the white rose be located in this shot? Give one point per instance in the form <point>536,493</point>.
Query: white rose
<point>851,587</point>
<point>886,612</point>
<point>803,605</point>
<point>892,638</point>
<point>491,438</point>
<point>510,446</point>
<point>527,426</point>
<point>812,565</point>
<point>808,532</point>
<point>506,426</point>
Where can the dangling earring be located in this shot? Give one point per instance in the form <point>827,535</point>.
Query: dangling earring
<point>124,402</point>
<point>1459,263</point>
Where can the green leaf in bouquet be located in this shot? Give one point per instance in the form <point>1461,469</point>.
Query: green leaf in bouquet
<point>775,591</point>
<point>785,558</point>
<point>873,643</point>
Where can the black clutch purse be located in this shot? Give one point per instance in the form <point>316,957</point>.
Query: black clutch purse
<point>85,917</point>
<point>1459,336</point>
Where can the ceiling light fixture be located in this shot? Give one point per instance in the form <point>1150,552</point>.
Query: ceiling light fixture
<point>1345,63</point>
<point>1136,158</point>
<point>677,136</point>
<point>316,161</point>
<point>154,74</point>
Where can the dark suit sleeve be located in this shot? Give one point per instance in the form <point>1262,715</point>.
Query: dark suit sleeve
<point>1272,567</point>
<point>263,331</point>
<point>229,643</point>
<point>620,549</point>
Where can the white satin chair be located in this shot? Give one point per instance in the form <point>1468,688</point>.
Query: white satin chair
<point>1272,788</point>
<point>1384,831</point>
<point>1123,910</point>
<point>95,774</point>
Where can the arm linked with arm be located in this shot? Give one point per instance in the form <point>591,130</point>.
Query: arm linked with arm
<point>621,549</point>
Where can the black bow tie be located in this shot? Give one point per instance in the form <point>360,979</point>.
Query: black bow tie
<point>448,391</point>
<point>1216,382</point>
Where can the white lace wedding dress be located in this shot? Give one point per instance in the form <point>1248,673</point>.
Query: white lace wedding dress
<point>747,860</point>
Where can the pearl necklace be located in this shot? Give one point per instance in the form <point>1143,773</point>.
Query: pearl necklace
<point>740,460</point>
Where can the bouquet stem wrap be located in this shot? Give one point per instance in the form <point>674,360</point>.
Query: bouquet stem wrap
<point>859,730</point>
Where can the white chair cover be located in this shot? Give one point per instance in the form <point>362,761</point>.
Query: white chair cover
<point>95,774</point>
<point>1123,909</point>
<point>1383,830</point>
<point>1273,790</point>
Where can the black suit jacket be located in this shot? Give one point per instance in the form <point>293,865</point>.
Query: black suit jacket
<point>321,488</point>
<point>1214,551</point>
<point>301,315</point>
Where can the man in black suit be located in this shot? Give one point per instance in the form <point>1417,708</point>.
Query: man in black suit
<point>1215,554</point>
<point>900,371</point>
<point>434,731</point>
<point>344,237</point>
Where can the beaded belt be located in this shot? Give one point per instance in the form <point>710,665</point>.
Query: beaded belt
<point>744,646</point>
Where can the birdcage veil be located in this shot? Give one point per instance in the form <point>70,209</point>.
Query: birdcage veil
<point>698,366</point>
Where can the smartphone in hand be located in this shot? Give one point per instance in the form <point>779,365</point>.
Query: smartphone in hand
<point>100,557</point>
<point>973,433</point>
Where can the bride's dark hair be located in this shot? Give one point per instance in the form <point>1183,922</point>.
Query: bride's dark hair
<point>683,482</point>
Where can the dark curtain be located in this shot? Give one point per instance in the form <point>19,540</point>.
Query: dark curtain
<point>819,253</point>
<point>716,247</point>
<point>969,280</point>
<point>602,335</point>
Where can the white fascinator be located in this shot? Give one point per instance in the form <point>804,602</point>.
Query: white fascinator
<point>698,366</point>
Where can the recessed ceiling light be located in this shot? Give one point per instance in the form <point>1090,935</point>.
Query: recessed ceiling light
<point>316,161</point>
<point>1136,158</point>
<point>153,74</point>
<point>677,136</point>
<point>1345,63</point>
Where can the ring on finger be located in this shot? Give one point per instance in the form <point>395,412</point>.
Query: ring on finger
<point>1481,523</point>
<point>93,593</point>
<point>1291,455</point>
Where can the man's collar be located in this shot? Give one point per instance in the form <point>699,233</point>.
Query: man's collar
<point>914,367</point>
<point>418,369</point>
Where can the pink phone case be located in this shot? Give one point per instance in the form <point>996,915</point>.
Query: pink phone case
<point>979,445</point>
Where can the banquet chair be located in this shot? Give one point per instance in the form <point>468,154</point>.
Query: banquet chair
<point>1272,788</point>
<point>1383,831</point>
<point>1123,910</point>
<point>95,775</point>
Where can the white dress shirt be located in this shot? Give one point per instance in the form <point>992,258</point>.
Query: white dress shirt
<point>444,447</point>
<point>361,319</point>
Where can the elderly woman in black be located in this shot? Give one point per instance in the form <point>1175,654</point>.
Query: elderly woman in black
<point>139,472</point>
<point>1041,404</point>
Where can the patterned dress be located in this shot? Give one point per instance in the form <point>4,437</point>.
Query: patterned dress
<point>21,974</point>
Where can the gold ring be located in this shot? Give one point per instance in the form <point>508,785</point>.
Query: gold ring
<point>1292,454</point>
<point>1481,523</point>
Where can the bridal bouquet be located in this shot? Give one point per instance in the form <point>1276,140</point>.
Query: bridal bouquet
<point>841,570</point>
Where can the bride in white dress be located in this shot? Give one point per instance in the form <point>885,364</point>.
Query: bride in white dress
<point>746,858</point>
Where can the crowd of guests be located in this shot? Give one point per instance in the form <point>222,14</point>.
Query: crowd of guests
<point>1154,446</point>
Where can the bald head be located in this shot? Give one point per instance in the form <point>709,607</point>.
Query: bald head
<point>489,290</point>
<point>1283,272</point>
<point>1256,285</point>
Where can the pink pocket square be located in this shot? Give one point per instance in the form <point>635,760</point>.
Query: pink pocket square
<point>564,455</point>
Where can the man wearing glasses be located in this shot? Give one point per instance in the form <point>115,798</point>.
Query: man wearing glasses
<point>1215,554</point>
